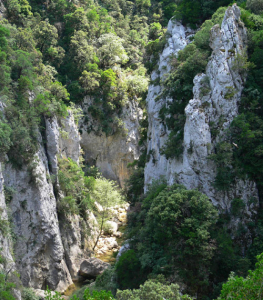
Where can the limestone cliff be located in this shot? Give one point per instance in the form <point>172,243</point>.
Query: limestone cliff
<point>48,250</point>
<point>111,154</point>
<point>195,170</point>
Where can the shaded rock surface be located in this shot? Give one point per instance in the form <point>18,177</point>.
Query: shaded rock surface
<point>48,251</point>
<point>92,267</point>
<point>38,250</point>
<point>111,154</point>
<point>195,170</point>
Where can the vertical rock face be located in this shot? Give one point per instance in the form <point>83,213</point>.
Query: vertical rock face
<point>157,131</point>
<point>111,154</point>
<point>47,251</point>
<point>69,142</point>
<point>5,242</point>
<point>217,108</point>
<point>38,249</point>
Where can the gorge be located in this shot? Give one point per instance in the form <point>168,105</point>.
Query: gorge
<point>99,96</point>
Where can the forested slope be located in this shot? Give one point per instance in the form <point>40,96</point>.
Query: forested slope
<point>167,93</point>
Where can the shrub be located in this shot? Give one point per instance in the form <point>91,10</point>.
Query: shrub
<point>245,288</point>
<point>153,290</point>
<point>128,270</point>
<point>76,188</point>
<point>28,294</point>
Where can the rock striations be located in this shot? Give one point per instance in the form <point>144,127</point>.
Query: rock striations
<point>218,107</point>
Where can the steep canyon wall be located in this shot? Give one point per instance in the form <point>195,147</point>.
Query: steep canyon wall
<point>195,170</point>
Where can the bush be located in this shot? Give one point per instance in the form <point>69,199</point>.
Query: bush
<point>245,288</point>
<point>28,294</point>
<point>153,290</point>
<point>76,188</point>
<point>128,270</point>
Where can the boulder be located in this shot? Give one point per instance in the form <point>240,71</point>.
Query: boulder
<point>92,267</point>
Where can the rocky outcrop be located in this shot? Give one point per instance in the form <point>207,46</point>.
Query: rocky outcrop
<point>91,268</point>
<point>38,249</point>
<point>218,107</point>
<point>69,142</point>
<point>111,154</point>
<point>6,246</point>
<point>78,237</point>
<point>109,241</point>
<point>48,251</point>
<point>157,131</point>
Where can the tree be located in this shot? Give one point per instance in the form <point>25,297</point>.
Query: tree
<point>176,235</point>
<point>153,289</point>
<point>46,35</point>
<point>105,194</point>
<point>256,6</point>
<point>111,51</point>
<point>245,288</point>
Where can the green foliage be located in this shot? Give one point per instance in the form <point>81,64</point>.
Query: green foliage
<point>237,205</point>
<point>223,159</point>
<point>173,235</point>
<point>98,295</point>
<point>5,137</point>
<point>6,288</point>
<point>28,294</point>
<point>153,290</point>
<point>50,296</point>
<point>135,185</point>
<point>76,188</point>
<point>4,226</point>
<point>6,284</point>
<point>256,6</point>
<point>245,288</point>
<point>196,12</point>
<point>107,281</point>
<point>86,294</point>
<point>128,270</point>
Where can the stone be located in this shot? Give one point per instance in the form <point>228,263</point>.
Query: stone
<point>92,267</point>
<point>69,142</point>
<point>39,250</point>
<point>111,154</point>
<point>195,170</point>
<point>124,248</point>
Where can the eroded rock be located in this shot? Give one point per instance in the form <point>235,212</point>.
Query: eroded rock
<point>92,267</point>
<point>218,107</point>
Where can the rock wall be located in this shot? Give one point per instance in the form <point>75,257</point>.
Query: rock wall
<point>48,250</point>
<point>38,249</point>
<point>6,246</point>
<point>195,170</point>
<point>111,154</point>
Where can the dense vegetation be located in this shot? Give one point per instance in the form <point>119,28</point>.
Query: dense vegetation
<point>53,54</point>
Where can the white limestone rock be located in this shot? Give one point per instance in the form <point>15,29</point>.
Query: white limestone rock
<point>157,132</point>
<point>38,250</point>
<point>69,142</point>
<point>5,240</point>
<point>219,106</point>
<point>111,154</point>
<point>78,237</point>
